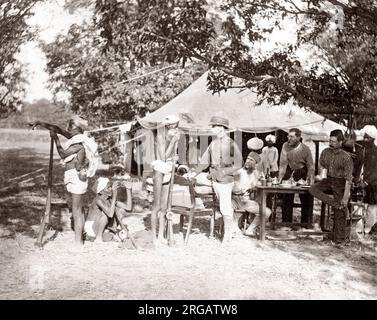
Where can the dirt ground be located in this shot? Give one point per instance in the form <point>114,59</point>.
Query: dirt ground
<point>244,269</point>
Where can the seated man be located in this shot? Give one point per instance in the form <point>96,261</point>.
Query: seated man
<point>245,180</point>
<point>103,208</point>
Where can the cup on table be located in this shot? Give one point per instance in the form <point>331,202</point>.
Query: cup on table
<point>263,183</point>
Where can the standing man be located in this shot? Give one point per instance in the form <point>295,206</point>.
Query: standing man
<point>339,166</point>
<point>166,152</point>
<point>296,162</point>
<point>79,153</point>
<point>224,159</point>
<point>270,156</point>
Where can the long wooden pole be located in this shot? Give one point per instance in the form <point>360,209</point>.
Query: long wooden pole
<point>46,217</point>
<point>169,213</point>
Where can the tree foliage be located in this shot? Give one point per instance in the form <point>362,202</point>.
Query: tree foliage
<point>14,31</point>
<point>337,78</point>
<point>103,83</point>
<point>41,110</point>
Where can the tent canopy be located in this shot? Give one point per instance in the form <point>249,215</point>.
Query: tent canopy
<point>196,105</point>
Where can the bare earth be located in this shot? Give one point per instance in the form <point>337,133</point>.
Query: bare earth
<point>244,269</point>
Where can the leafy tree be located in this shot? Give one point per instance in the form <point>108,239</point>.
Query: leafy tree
<point>103,83</point>
<point>14,31</point>
<point>227,35</point>
<point>42,110</point>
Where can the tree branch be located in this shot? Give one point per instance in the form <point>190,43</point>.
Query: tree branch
<point>357,11</point>
<point>209,61</point>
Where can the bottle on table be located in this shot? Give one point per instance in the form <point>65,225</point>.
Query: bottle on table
<point>268,178</point>
<point>262,180</point>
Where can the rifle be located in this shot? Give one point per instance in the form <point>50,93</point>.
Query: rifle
<point>46,216</point>
<point>169,213</point>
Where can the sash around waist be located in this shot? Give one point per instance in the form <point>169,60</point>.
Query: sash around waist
<point>222,166</point>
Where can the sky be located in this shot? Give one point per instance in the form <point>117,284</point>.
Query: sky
<point>51,19</point>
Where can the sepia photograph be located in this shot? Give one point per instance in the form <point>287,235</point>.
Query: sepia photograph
<point>188,150</point>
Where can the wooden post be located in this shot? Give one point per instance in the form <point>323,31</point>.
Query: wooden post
<point>139,155</point>
<point>128,153</point>
<point>46,217</point>
<point>316,156</point>
<point>169,213</point>
<point>262,213</point>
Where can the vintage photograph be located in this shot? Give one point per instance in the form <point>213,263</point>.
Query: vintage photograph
<point>188,150</point>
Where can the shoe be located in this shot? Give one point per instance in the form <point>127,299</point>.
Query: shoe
<point>284,229</point>
<point>251,232</point>
<point>367,237</point>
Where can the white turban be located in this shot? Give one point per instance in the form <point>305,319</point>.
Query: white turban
<point>370,131</point>
<point>100,184</point>
<point>79,122</point>
<point>271,138</point>
<point>170,119</point>
<point>255,143</point>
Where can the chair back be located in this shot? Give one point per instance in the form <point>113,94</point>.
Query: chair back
<point>181,181</point>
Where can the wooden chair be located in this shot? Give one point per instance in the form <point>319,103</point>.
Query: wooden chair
<point>357,212</point>
<point>213,211</point>
<point>188,211</point>
<point>191,211</point>
<point>239,213</point>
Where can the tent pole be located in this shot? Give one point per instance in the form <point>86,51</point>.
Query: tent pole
<point>316,156</point>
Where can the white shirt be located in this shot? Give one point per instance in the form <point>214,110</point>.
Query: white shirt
<point>243,181</point>
<point>270,157</point>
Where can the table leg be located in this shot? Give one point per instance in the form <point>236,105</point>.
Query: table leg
<point>262,213</point>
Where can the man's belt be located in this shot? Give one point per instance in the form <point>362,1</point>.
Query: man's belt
<point>223,166</point>
<point>335,177</point>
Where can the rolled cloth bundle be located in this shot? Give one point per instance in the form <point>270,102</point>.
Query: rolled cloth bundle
<point>271,138</point>
<point>255,143</point>
<point>100,184</point>
<point>371,131</point>
<point>91,152</point>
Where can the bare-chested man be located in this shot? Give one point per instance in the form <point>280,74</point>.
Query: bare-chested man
<point>104,207</point>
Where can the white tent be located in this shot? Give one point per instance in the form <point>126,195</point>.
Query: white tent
<point>196,105</point>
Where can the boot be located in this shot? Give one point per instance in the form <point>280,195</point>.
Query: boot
<point>228,228</point>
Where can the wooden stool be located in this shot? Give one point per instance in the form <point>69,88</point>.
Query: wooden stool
<point>357,213</point>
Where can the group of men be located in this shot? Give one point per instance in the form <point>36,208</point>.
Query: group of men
<point>233,184</point>
<point>233,180</point>
<point>80,157</point>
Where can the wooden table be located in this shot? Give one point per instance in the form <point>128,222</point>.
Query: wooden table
<point>263,191</point>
